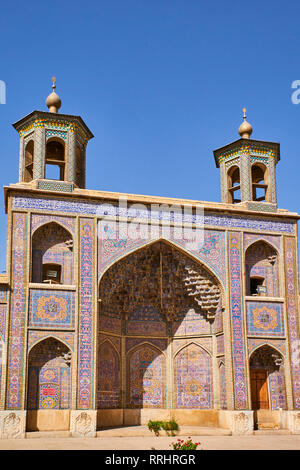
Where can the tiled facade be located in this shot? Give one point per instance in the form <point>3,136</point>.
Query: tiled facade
<point>137,321</point>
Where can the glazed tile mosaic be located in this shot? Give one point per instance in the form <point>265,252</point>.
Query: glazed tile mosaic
<point>113,312</point>
<point>265,319</point>
<point>51,308</point>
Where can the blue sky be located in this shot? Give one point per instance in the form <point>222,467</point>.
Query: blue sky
<point>160,83</point>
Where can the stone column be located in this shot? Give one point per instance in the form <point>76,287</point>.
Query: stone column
<point>245,178</point>
<point>223,179</point>
<point>71,156</point>
<point>21,159</point>
<point>39,153</point>
<point>272,180</point>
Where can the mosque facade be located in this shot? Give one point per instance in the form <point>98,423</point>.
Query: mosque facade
<point>119,308</point>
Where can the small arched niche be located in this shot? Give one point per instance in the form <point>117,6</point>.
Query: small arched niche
<point>52,255</point>
<point>259,179</point>
<point>55,160</point>
<point>233,185</point>
<point>262,274</point>
<point>267,379</point>
<point>49,376</point>
<point>28,161</point>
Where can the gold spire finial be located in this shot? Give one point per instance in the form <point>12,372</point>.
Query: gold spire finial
<point>245,129</point>
<point>53,83</point>
<point>53,101</point>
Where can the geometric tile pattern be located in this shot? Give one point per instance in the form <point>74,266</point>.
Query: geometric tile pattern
<point>146,379</point>
<point>51,308</point>
<point>49,378</point>
<point>193,378</point>
<point>86,317</point>
<point>265,319</point>
<point>3,317</point>
<point>3,294</point>
<point>238,339</point>
<point>292,313</point>
<point>108,393</point>
<point>96,208</point>
<point>16,333</point>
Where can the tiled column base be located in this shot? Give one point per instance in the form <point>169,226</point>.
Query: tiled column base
<point>12,424</point>
<point>83,423</point>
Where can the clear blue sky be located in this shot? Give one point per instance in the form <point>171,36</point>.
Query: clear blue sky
<point>160,83</point>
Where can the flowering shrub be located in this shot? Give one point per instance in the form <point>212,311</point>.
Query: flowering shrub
<point>168,426</point>
<point>185,445</point>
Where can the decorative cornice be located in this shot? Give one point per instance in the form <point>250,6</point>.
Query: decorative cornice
<point>255,148</point>
<point>49,120</point>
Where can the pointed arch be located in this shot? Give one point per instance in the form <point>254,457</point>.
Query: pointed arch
<point>262,269</point>
<point>260,182</point>
<point>50,336</point>
<point>267,378</point>
<point>108,340</point>
<point>146,382</point>
<point>109,376</point>
<point>52,254</point>
<point>233,184</point>
<point>263,240</point>
<point>193,378</point>
<point>266,344</point>
<point>145,343</point>
<point>49,375</point>
<point>56,221</point>
<point>194,342</point>
<point>171,243</point>
<point>28,161</point>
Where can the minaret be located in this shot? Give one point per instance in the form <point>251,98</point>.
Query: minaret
<point>53,144</point>
<point>247,169</point>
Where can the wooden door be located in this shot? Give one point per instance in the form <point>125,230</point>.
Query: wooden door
<point>259,389</point>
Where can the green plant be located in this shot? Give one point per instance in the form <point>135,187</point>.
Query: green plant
<point>155,426</point>
<point>168,426</point>
<point>185,445</point>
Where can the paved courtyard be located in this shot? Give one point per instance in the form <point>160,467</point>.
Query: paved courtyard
<point>261,442</point>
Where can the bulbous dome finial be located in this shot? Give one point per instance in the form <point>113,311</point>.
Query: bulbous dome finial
<point>53,101</point>
<point>245,129</point>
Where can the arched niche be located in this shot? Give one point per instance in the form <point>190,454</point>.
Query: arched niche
<point>262,273</point>
<point>267,378</point>
<point>146,382</point>
<point>52,255</point>
<point>233,185</point>
<point>259,181</point>
<point>49,376</point>
<point>155,294</point>
<point>193,378</point>
<point>55,159</point>
<point>28,161</point>
<point>109,377</point>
